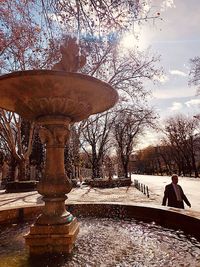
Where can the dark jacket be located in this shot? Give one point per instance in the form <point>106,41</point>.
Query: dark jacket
<point>170,195</point>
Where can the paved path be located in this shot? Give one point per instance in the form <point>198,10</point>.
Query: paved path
<point>156,184</point>
<point>128,195</point>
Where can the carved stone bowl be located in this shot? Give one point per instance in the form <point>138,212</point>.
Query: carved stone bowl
<point>38,93</point>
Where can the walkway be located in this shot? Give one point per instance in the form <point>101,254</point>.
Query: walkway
<point>127,195</point>
<point>156,184</point>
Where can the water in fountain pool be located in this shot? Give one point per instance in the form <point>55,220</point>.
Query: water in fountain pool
<point>107,242</point>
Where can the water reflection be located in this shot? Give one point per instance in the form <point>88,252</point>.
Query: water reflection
<point>107,242</point>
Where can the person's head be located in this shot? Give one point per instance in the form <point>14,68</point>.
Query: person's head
<point>175,179</point>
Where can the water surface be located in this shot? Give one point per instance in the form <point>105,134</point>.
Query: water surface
<point>107,242</point>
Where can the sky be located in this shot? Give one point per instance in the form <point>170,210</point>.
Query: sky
<point>177,39</point>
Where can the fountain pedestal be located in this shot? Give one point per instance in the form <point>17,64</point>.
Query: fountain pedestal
<point>54,100</point>
<point>56,229</point>
<point>52,238</point>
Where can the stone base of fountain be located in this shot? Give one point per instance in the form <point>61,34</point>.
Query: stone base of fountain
<point>52,238</point>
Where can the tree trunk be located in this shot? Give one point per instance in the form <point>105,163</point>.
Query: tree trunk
<point>125,169</point>
<point>22,170</point>
<point>13,165</point>
<point>196,174</point>
<point>96,172</point>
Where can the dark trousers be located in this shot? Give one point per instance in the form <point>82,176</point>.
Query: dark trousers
<point>179,204</point>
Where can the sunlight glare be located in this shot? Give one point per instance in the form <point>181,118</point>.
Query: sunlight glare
<point>130,41</point>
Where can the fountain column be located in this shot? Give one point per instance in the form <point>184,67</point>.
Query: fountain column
<point>55,230</point>
<point>54,99</point>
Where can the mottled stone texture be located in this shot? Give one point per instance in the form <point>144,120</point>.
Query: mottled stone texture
<point>37,93</point>
<point>52,239</point>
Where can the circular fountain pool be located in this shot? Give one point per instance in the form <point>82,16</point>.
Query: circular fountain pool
<point>107,242</point>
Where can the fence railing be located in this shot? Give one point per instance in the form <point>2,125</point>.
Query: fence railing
<point>141,187</point>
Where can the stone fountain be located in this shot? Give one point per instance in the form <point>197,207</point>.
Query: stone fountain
<point>55,99</point>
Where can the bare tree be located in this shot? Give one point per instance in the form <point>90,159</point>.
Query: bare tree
<point>128,126</point>
<point>148,161</point>
<point>72,152</point>
<point>30,30</point>
<point>15,141</point>
<point>195,73</point>
<point>98,17</point>
<point>165,153</point>
<point>126,72</point>
<point>95,140</point>
<point>180,135</point>
<point>30,40</point>
<point>25,41</point>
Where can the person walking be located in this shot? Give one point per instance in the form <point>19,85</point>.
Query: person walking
<point>174,195</point>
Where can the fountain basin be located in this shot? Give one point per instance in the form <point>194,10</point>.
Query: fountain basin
<point>115,243</point>
<point>38,93</point>
<point>109,235</point>
<point>173,218</point>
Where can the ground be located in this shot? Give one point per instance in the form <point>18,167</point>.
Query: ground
<point>128,195</point>
<point>156,184</point>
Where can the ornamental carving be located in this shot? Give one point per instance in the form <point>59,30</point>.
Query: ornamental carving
<point>71,60</point>
<point>59,106</point>
<point>54,135</point>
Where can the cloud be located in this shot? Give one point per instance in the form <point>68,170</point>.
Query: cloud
<point>167,4</point>
<point>172,91</point>
<point>161,78</point>
<point>176,106</point>
<point>178,73</point>
<point>192,102</point>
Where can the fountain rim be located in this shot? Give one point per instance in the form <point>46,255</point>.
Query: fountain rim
<point>89,83</point>
<point>171,218</point>
<point>38,72</point>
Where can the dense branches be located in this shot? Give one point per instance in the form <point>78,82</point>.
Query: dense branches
<point>99,17</point>
<point>178,151</point>
<point>195,72</point>
<point>128,125</point>
<point>25,42</point>
<point>16,139</point>
<point>180,133</point>
<point>96,140</point>
<point>126,72</point>
<point>30,31</point>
